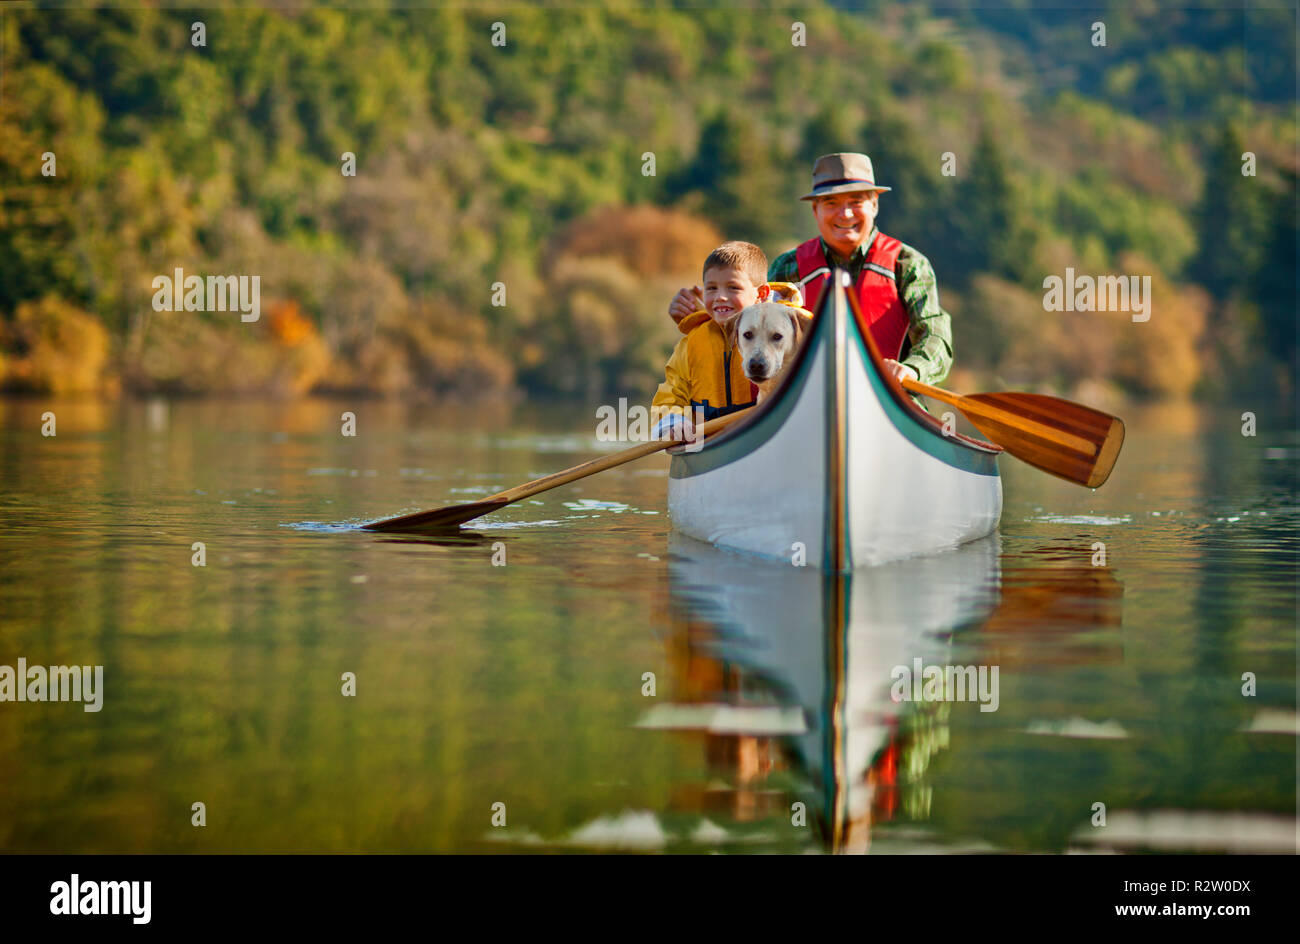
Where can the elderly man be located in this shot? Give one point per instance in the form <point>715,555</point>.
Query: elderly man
<point>894,284</point>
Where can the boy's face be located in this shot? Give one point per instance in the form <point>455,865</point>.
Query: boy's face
<point>726,292</point>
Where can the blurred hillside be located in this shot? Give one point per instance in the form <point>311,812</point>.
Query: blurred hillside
<point>523,165</point>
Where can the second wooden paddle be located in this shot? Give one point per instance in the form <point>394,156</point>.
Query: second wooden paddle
<point>1069,440</point>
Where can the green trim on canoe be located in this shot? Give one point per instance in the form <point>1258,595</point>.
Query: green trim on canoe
<point>951,451</point>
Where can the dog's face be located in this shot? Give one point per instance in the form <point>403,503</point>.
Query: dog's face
<point>767,334</point>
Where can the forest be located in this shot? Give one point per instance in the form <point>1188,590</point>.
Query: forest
<point>529,185</point>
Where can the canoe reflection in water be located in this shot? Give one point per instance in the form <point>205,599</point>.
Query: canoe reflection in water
<point>786,678</point>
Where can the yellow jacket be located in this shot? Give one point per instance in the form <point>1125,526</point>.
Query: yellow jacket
<point>703,373</point>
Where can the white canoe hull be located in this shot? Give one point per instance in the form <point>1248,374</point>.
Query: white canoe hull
<point>837,468</point>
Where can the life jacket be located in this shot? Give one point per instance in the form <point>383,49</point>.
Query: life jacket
<point>713,373</point>
<point>876,289</point>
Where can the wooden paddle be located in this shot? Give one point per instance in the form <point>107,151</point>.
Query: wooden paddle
<point>1067,439</point>
<point>452,515</point>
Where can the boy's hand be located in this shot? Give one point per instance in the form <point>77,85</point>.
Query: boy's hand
<point>676,428</point>
<point>685,302</point>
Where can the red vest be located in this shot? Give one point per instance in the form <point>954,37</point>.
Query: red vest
<point>882,309</point>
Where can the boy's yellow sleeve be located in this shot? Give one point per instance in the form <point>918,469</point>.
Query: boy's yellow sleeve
<point>675,391</point>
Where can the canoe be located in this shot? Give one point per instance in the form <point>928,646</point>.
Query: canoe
<point>839,468</point>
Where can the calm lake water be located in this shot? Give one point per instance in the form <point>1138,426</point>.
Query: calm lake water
<point>771,726</point>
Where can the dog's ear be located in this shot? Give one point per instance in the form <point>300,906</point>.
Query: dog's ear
<point>797,326</point>
<point>730,328</point>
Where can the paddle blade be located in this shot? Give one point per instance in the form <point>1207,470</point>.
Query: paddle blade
<point>439,519</point>
<point>1067,439</point>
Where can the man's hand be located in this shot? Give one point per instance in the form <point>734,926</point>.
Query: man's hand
<point>900,371</point>
<point>685,302</point>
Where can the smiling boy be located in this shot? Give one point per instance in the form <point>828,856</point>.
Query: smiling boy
<point>704,376</point>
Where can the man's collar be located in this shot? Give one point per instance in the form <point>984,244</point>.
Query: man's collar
<point>859,253</point>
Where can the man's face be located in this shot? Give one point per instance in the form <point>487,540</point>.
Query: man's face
<point>845,219</point>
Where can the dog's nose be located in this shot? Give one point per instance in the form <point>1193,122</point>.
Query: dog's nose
<point>756,369</point>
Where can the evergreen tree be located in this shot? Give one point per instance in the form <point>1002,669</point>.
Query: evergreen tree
<point>832,128</point>
<point>991,234</point>
<point>1275,286</point>
<point>734,177</point>
<point>1231,220</point>
<point>908,212</point>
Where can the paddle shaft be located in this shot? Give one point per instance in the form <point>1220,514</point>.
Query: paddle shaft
<point>557,479</point>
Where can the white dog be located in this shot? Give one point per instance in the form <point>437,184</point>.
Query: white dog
<point>768,334</point>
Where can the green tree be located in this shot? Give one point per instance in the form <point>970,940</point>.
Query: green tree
<point>1276,284</point>
<point>1231,220</point>
<point>991,234</point>
<point>911,210</point>
<point>733,178</point>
